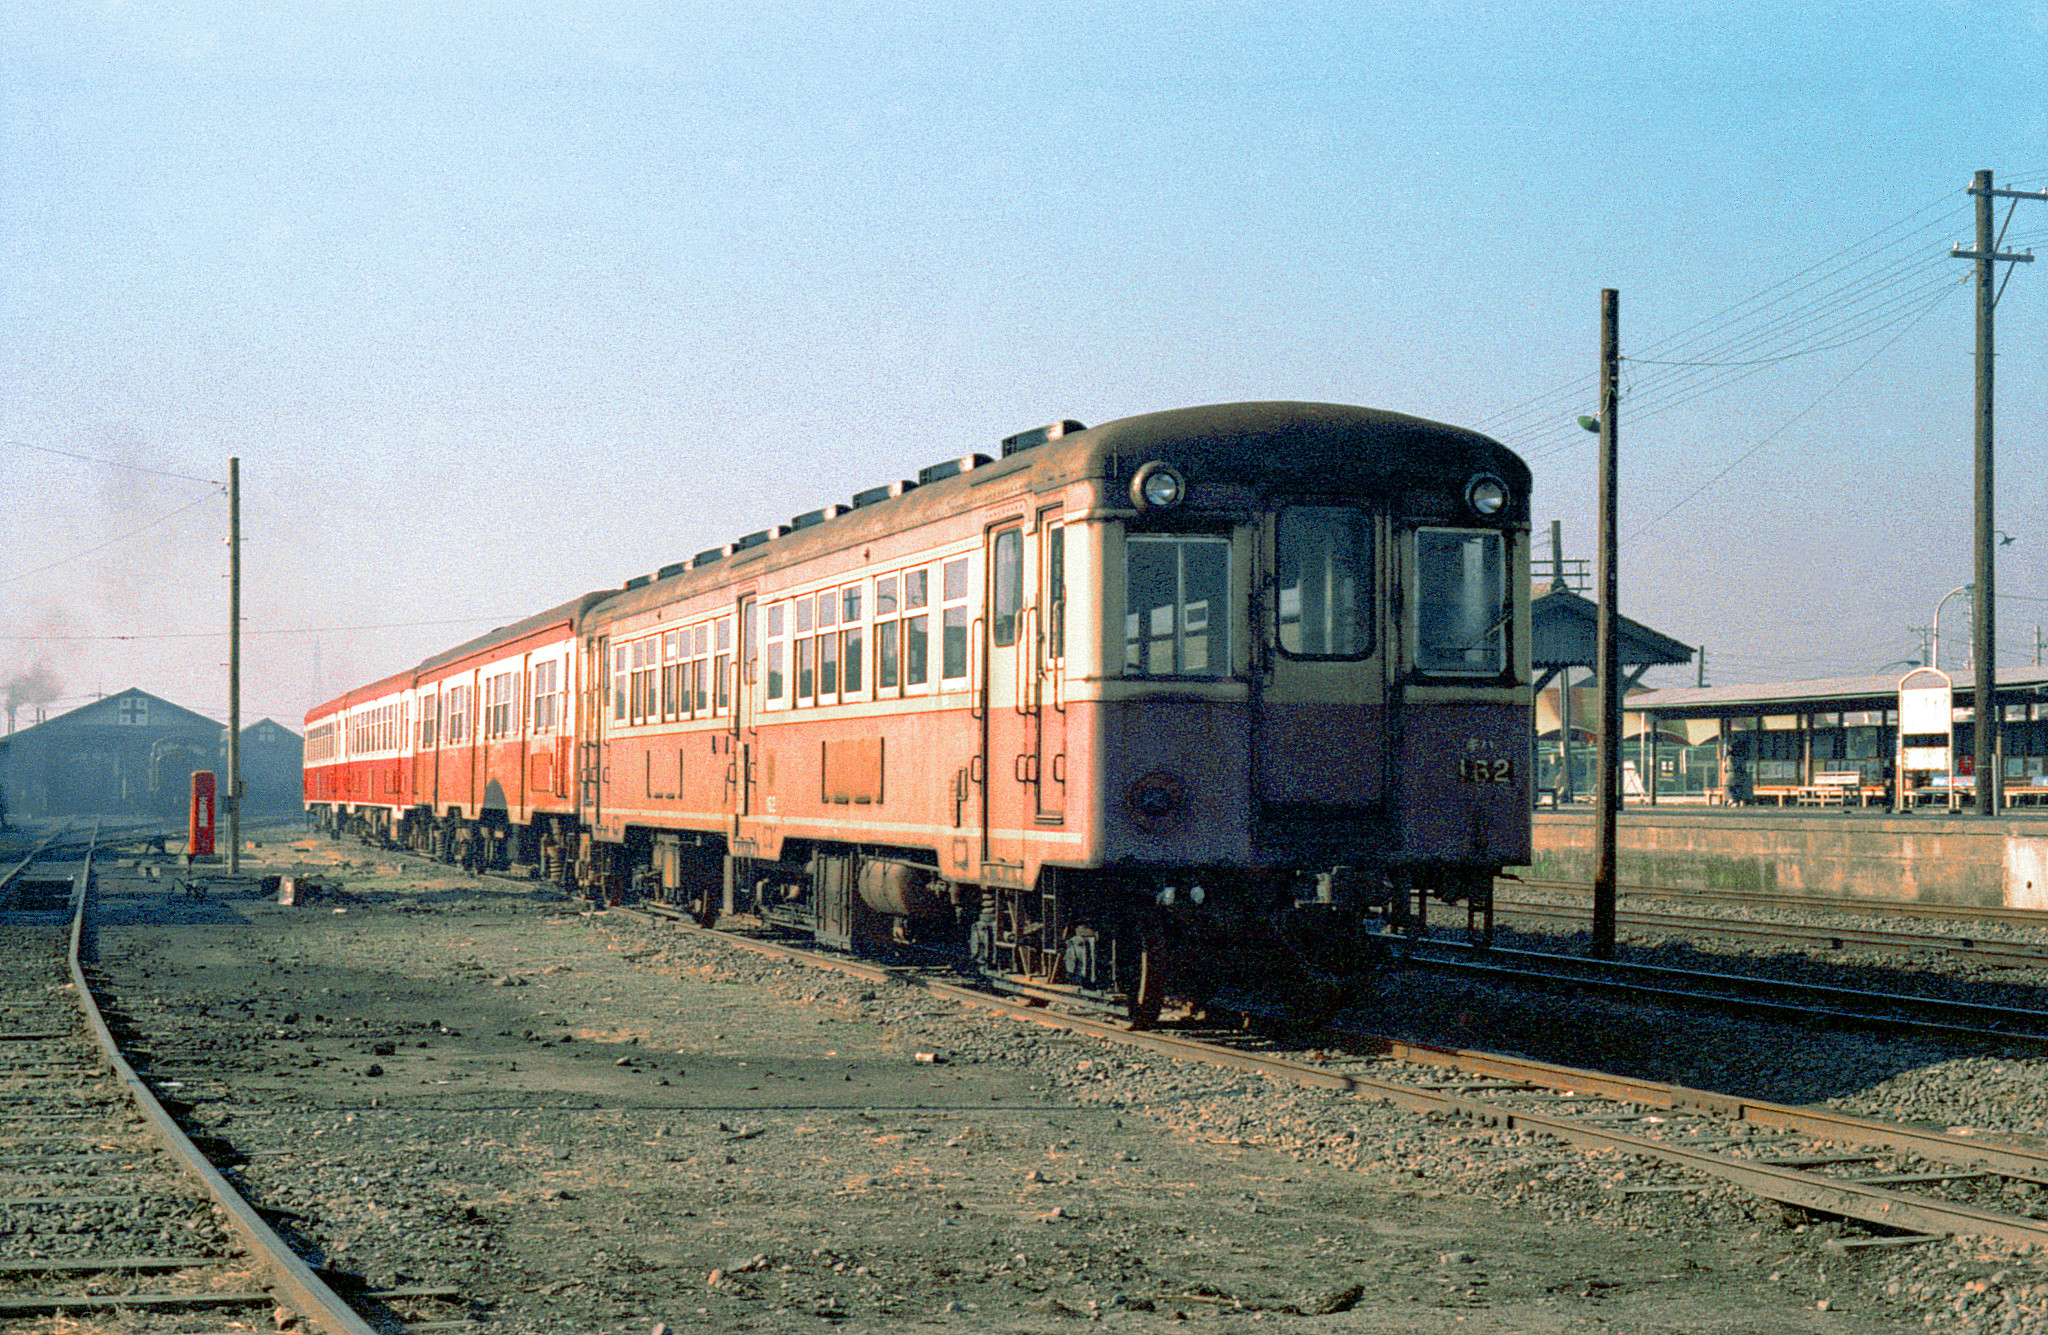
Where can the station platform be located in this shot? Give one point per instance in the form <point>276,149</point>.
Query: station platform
<point>1847,853</point>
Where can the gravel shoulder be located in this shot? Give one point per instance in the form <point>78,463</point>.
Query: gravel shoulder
<point>590,1124</point>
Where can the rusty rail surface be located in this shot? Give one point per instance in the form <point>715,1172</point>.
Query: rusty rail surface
<point>2006,954</point>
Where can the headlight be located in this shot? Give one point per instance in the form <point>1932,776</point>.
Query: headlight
<point>1157,803</point>
<point>1487,495</point>
<point>1158,486</point>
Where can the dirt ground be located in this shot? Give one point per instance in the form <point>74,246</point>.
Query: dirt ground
<point>588,1124</point>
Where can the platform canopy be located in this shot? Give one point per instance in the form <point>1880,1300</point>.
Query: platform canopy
<point>1565,635</point>
<point>2017,684</point>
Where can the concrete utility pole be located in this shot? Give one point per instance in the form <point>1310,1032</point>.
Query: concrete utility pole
<point>1985,696</point>
<point>1607,786</point>
<point>233,804</point>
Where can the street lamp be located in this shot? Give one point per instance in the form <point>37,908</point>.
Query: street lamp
<point>1936,663</point>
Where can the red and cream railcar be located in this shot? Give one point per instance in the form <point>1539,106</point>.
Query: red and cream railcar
<point>469,756</point>
<point>1127,708</point>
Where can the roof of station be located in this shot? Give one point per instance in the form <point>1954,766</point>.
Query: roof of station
<point>1565,626</point>
<point>1876,692</point>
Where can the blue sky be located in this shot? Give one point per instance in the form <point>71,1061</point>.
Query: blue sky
<point>499,303</point>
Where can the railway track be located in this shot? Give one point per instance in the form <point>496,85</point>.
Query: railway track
<point>1979,950</point>
<point>1904,1183</point>
<point>1762,899</point>
<point>109,1206</point>
<point>1806,1004</point>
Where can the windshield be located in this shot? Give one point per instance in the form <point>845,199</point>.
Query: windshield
<point>1462,608</point>
<point>1176,622</point>
<point>1322,566</point>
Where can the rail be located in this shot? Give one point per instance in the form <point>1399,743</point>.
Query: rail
<point>2006,954</point>
<point>295,1283</point>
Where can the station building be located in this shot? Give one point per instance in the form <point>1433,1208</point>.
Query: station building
<point>1826,742</point>
<point>133,754</point>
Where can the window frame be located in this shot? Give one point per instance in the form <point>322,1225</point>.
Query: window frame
<point>1501,631</point>
<point>1366,604</point>
<point>1226,660</point>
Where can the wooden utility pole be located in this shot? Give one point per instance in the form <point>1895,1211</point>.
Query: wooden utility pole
<point>1985,603</point>
<point>233,803</point>
<point>1607,786</point>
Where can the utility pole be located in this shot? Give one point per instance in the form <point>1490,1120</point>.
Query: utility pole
<point>1985,696</point>
<point>234,796</point>
<point>1926,634</point>
<point>1607,786</point>
<point>1703,668</point>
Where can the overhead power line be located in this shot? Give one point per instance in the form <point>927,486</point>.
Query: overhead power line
<point>100,547</point>
<point>116,463</point>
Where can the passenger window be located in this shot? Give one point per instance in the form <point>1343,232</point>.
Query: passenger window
<point>1323,578</point>
<point>917,630</point>
<point>853,641</point>
<point>953,622</point>
<point>721,668</point>
<point>1462,607</point>
<point>777,646</point>
<point>1177,601</point>
<point>888,664</point>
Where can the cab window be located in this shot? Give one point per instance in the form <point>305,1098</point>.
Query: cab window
<point>1461,604</point>
<point>1323,578</point>
<point>1177,601</point>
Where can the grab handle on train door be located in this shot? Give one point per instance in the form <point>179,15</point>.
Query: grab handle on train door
<point>977,667</point>
<point>1026,703</point>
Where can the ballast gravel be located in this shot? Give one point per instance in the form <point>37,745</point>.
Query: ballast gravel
<point>586,1122</point>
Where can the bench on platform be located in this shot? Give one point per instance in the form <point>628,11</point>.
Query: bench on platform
<point>1832,789</point>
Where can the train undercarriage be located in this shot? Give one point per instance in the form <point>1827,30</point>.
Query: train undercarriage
<point>1137,940</point>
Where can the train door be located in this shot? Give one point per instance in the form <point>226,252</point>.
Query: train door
<point>740,743</point>
<point>1320,711</point>
<point>1049,652</point>
<point>1009,751</point>
<point>426,712</point>
<point>591,728</point>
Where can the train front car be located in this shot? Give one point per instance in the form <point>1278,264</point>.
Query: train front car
<point>1294,699</point>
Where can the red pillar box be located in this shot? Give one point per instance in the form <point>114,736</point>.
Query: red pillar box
<point>199,836</point>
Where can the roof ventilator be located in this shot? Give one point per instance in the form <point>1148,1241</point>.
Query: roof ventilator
<point>873,494</point>
<point>1039,435</point>
<point>939,472</point>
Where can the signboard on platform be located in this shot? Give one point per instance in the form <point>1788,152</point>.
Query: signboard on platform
<point>1926,733</point>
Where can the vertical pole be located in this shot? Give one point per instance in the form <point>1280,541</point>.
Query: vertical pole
<point>1984,603</point>
<point>234,793</point>
<point>1607,789</point>
<point>1648,738</point>
<point>1565,791</point>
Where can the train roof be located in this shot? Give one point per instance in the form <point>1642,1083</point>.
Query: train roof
<point>570,613</point>
<point>1298,446</point>
<point>1272,446</point>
